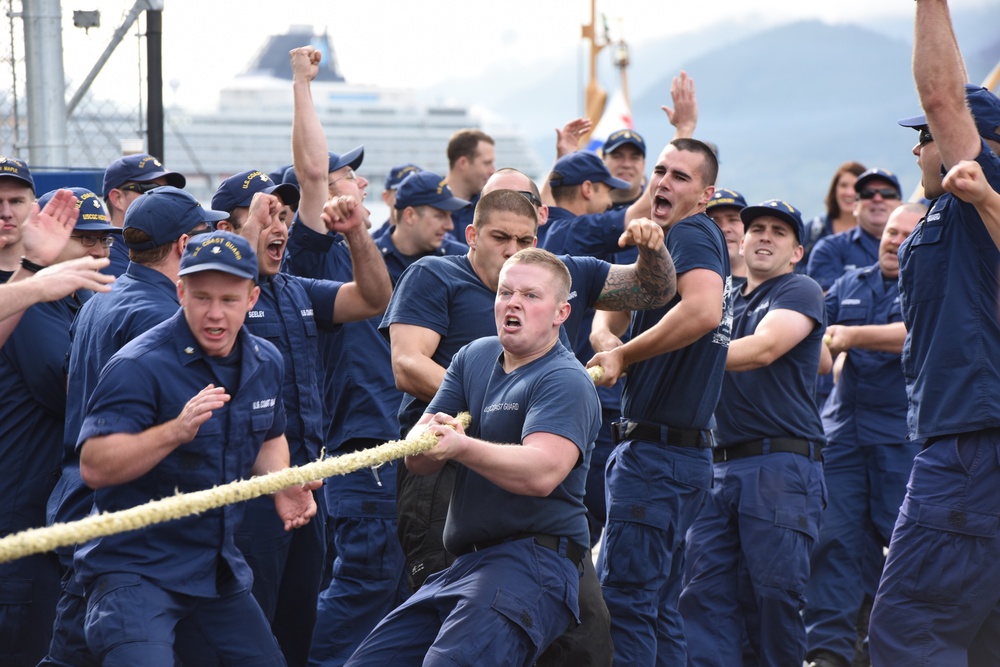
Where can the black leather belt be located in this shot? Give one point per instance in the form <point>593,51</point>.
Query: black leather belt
<point>814,452</point>
<point>676,437</point>
<point>573,551</point>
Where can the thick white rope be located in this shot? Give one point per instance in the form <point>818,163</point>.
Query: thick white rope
<point>48,538</point>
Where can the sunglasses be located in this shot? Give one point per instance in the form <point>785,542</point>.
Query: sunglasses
<point>869,193</point>
<point>91,241</point>
<point>924,136</point>
<point>141,188</point>
<point>530,196</point>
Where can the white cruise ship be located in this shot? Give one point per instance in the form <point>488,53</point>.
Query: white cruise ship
<point>252,127</point>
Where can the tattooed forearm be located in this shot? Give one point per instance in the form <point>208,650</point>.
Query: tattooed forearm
<point>649,283</point>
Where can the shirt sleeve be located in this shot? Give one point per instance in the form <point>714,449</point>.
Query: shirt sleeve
<point>421,298</point>
<point>825,265</point>
<point>124,401</point>
<point>596,234</point>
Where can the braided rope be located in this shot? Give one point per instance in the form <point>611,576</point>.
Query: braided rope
<point>48,538</point>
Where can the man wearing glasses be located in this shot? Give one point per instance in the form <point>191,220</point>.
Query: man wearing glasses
<point>124,180</point>
<point>33,386</point>
<point>878,193</point>
<point>156,229</point>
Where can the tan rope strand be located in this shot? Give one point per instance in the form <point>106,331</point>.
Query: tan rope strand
<point>44,539</point>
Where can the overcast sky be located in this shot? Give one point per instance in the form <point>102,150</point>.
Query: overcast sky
<point>407,42</point>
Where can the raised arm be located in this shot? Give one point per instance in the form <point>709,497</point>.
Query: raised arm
<point>369,293</point>
<point>310,154</point>
<point>684,117</point>
<point>940,76</point>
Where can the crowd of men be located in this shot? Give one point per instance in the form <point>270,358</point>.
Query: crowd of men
<point>778,401</point>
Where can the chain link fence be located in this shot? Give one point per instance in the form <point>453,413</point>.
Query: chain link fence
<point>110,118</point>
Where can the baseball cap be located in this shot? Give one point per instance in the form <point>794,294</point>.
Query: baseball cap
<point>618,139</point>
<point>778,209</point>
<point>165,214</point>
<point>880,174</point>
<point>14,168</point>
<point>726,199</point>
<point>91,215</point>
<point>575,168</point>
<point>351,158</point>
<point>140,168</point>
<point>399,173</point>
<point>985,107</point>
<point>427,189</point>
<point>278,175</point>
<point>219,251</point>
<point>239,189</point>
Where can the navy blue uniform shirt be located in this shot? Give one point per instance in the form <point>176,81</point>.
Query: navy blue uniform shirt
<point>948,291</point>
<point>147,383</point>
<point>868,403</point>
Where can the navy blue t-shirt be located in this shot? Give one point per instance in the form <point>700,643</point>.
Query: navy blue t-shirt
<point>32,412</point>
<point>948,291</point>
<point>775,400</point>
<point>552,394</point>
<point>445,295</point>
<point>681,388</point>
<point>868,403</point>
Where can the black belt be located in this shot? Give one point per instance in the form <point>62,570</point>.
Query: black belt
<point>573,551</point>
<point>769,446</point>
<point>676,437</point>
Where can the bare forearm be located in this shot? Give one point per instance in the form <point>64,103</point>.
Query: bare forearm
<point>419,377</point>
<point>122,457</point>
<point>749,353</point>
<point>309,155</point>
<point>273,456</point>
<point>518,469</point>
<point>370,274</point>
<point>681,326</point>
<point>879,337</point>
<point>649,283</point>
<point>940,76</point>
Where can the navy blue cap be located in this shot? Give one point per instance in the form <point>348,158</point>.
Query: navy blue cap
<point>575,168</point>
<point>399,173</point>
<point>278,175</point>
<point>618,139</point>
<point>139,168</point>
<point>239,189</point>
<point>778,209</point>
<point>724,198</point>
<point>985,107</point>
<point>91,215</point>
<point>290,177</point>
<point>351,158</point>
<point>427,189</point>
<point>14,168</point>
<point>880,174</point>
<point>219,251</point>
<point>165,214</point>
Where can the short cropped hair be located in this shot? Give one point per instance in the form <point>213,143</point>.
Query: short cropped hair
<point>710,163</point>
<point>465,143</point>
<point>503,201</point>
<point>545,259</point>
<point>149,256</point>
